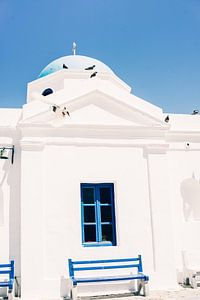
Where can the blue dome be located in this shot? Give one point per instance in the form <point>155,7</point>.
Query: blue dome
<point>74,62</point>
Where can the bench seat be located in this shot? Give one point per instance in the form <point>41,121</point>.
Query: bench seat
<point>110,278</point>
<point>8,283</point>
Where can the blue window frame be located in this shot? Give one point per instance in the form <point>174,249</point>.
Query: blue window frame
<point>98,214</point>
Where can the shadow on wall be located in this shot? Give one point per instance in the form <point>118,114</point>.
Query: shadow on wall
<point>190,191</point>
<point>3,175</point>
<point>10,176</point>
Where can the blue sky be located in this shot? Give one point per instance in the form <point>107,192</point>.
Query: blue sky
<point>153,45</point>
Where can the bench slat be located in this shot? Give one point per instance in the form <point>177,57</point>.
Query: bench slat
<point>105,267</point>
<point>5,265</point>
<point>5,271</point>
<point>103,261</point>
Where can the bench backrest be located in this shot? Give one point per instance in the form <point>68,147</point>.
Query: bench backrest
<point>93,265</point>
<point>8,269</point>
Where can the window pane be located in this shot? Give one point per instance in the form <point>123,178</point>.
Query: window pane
<point>88,195</point>
<point>105,195</point>
<point>106,214</point>
<point>89,214</point>
<point>107,233</point>
<point>90,233</point>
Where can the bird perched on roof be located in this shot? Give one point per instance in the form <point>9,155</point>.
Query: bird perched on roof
<point>167,119</point>
<point>93,74</point>
<point>90,68</point>
<point>61,112</point>
<point>65,67</point>
<point>65,112</point>
<point>195,112</point>
<point>55,107</point>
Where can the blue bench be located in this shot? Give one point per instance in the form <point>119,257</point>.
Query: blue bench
<point>110,264</point>
<point>8,281</point>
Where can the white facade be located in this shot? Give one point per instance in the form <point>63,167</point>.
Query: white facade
<point>111,136</point>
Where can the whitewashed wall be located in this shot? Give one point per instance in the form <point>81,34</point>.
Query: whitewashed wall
<point>184,170</point>
<point>51,221</point>
<point>57,235</point>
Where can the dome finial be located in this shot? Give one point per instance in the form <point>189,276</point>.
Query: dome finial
<point>74,48</point>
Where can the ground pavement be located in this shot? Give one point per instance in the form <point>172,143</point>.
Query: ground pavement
<point>182,294</point>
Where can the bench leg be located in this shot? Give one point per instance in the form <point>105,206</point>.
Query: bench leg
<point>74,292</point>
<point>142,285</point>
<point>146,288</point>
<point>139,287</point>
<point>10,295</point>
<point>193,283</point>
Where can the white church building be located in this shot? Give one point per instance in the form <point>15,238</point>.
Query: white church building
<point>95,172</point>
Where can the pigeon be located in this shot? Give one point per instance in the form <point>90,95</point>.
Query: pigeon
<point>65,112</point>
<point>55,107</point>
<point>90,68</point>
<point>64,66</point>
<point>59,111</point>
<point>93,74</point>
<point>195,112</point>
<point>167,119</point>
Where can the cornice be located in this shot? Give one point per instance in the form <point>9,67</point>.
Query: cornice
<point>156,149</point>
<point>93,131</point>
<point>182,136</point>
<point>27,145</point>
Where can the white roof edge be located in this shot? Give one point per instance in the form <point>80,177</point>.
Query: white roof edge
<point>64,74</point>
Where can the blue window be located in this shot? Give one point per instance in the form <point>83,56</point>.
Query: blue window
<point>98,214</point>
